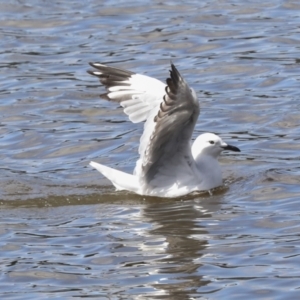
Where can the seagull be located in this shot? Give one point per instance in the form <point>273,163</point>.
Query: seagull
<point>170,165</point>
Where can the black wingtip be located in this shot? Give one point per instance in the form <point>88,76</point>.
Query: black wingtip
<point>175,75</point>
<point>91,72</point>
<point>94,64</point>
<point>172,66</point>
<point>105,97</point>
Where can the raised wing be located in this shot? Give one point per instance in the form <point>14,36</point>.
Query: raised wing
<point>172,128</point>
<point>137,94</point>
<point>170,112</point>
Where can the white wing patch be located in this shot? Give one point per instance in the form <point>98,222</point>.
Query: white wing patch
<point>137,94</point>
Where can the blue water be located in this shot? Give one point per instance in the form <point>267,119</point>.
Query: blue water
<point>66,233</point>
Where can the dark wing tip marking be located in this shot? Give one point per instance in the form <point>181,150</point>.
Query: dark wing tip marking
<point>111,70</point>
<point>175,75</point>
<point>170,98</point>
<point>111,77</point>
<point>105,97</point>
<point>91,72</point>
<point>109,74</point>
<point>174,81</point>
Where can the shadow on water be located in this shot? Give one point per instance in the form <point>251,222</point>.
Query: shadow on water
<point>148,245</point>
<point>180,224</point>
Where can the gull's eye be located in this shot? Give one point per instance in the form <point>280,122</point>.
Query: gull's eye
<point>211,142</point>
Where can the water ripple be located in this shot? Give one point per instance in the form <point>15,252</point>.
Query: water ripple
<point>66,233</point>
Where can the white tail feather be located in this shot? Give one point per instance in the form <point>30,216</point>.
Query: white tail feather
<point>121,180</point>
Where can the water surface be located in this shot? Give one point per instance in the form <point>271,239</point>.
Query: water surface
<point>66,234</point>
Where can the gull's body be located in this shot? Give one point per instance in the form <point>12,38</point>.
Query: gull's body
<point>169,166</point>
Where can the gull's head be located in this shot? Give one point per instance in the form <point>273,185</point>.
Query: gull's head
<point>211,145</point>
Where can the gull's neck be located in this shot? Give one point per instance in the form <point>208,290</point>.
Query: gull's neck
<point>210,170</point>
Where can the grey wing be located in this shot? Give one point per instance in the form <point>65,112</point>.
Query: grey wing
<point>173,127</point>
<point>137,94</point>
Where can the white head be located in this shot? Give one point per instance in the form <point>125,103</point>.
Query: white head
<point>210,144</point>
